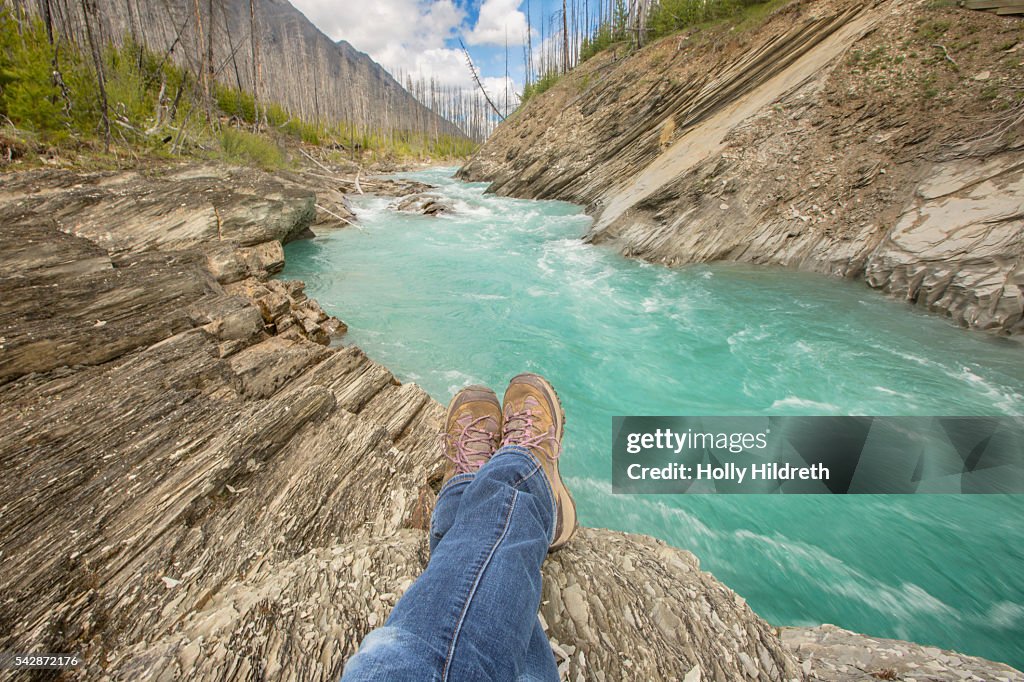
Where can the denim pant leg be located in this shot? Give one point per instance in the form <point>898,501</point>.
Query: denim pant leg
<point>446,509</point>
<point>539,663</point>
<point>472,615</point>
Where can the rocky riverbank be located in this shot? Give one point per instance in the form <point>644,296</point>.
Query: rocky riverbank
<point>201,481</point>
<point>873,140</point>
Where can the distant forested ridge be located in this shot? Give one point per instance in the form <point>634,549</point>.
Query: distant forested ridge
<point>263,47</point>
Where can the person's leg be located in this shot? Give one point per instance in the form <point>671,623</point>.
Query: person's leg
<point>446,508</point>
<point>539,663</point>
<point>472,614</point>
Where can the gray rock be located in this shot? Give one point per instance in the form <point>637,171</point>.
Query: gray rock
<point>831,654</point>
<point>425,204</point>
<point>176,207</point>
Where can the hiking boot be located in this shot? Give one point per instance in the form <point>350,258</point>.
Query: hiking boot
<point>472,430</point>
<point>534,419</point>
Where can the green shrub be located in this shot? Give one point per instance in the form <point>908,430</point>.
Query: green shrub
<point>237,103</point>
<point>540,86</point>
<point>244,148</point>
<point>29,96</point>
<point>127,93</point>
<point>670,16</point>
<point>603,38</point>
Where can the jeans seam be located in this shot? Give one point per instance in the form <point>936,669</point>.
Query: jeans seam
<point>450,484</point>
<point>454,481</point>
<point>476,583</point>
<point>547,486</point>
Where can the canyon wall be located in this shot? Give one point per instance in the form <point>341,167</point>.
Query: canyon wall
<point>873,140</point>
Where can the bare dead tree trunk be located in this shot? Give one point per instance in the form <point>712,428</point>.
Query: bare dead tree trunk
<point>565,39</point>
<point>529,44</point>
<point>19,14</point>
<point>232,47</point>
<point>47,19</point>
<point>56,75</point>
<point>256,71</point>
<point>142,25</point>
<point>91,21</point>
<point>137,44</point>
<point>506,72</point>
<point>200,53</point>
<point>210,73</point>
<point>476,79</point>
<point>316,85</point>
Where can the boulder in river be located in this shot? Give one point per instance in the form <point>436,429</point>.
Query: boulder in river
<point>424,204</point>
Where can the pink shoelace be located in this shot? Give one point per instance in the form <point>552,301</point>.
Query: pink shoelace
<point>519,430</point>
<point>471,441</point>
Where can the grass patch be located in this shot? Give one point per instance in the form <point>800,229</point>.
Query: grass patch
<point>867,59</point>
<point>247,149</point>
<point>540,86</point>
<point>935,29</point>
<point>754,15</point>
<point>672,16</point>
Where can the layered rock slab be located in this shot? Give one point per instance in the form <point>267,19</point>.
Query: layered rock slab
<point>811,140</point>
<point>166,207</point>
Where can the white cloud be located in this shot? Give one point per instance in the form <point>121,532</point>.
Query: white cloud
<point>496,89</point>
<point>411,36</point>
<point>398,34</point>
<point>499,20</point>
<point>447,67</point>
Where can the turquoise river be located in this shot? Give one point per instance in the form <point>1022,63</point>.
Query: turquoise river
<point>505,285</point>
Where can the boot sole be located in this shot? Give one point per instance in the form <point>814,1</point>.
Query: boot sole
<point>566,505</point>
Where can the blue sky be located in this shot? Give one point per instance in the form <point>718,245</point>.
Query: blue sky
<point>421,37</point>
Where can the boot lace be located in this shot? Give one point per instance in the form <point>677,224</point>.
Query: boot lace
<point>473,440</point>
<point>520,430</point>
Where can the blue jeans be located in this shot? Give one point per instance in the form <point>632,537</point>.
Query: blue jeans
<point>472,614</point>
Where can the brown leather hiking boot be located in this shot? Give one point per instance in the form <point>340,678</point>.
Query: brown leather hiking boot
<point>472,430</point>
<point>534,418</point>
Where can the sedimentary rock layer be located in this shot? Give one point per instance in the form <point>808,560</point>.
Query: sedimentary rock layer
<point>837,136</point>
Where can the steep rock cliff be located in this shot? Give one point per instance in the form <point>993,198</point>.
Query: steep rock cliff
<point>874,140</point>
